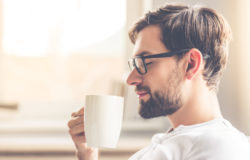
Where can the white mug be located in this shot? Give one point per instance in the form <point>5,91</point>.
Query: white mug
<point>103,116</point>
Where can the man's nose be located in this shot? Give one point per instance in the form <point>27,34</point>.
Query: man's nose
<point>134,78</point>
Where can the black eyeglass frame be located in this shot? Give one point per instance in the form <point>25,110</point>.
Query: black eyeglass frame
<point>160,55</point>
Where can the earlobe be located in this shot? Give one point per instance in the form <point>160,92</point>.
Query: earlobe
<point>194,58</point>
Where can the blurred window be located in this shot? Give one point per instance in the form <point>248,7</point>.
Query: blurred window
<point>42,27</point>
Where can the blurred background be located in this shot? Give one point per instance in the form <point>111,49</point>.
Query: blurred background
<point>54,52</point>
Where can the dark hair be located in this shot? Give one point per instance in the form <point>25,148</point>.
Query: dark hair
<point>184,26</point>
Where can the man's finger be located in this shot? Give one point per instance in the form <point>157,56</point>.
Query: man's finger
<point>79,129</point>
<point>78,113</point>
<point>75,122</point>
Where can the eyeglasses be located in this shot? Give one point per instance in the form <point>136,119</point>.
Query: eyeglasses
<point>139,61</point>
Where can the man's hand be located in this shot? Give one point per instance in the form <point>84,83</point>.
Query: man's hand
<point>76,130</point>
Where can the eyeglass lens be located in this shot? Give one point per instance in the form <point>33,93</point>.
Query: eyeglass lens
<point>138,64</point>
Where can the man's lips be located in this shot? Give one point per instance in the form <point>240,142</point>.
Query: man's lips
<point>141,94</point>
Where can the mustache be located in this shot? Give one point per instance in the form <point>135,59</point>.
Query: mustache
<point>142,88</point>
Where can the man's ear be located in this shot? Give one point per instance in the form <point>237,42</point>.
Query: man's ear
<point>193,63</point>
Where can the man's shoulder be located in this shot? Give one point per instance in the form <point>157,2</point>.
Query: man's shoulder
<point>221,136</point>
<point>203,142</point>
<point>225,134</point>
<point>225,137</point>
<point>226,143</point>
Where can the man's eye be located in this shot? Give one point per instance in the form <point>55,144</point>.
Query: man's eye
<point>149,63</point>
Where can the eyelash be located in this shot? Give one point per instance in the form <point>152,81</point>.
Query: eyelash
<point>149,63</point>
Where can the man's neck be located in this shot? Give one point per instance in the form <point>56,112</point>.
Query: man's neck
<point>200,108</point>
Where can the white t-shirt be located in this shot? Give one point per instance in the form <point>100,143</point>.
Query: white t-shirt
<point>213,140</point>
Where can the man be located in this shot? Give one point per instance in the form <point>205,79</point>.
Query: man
<point>179,55</point>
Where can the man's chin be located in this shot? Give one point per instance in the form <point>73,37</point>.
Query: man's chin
<point>146,115</point>
<point>142,101</point>
<point>147,112</point>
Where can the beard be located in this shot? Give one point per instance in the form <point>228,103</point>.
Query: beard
<point>163,102</point>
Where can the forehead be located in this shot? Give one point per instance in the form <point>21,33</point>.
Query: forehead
<point>149,40</point>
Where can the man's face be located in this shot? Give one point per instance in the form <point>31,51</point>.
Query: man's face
<point>159,90</point>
